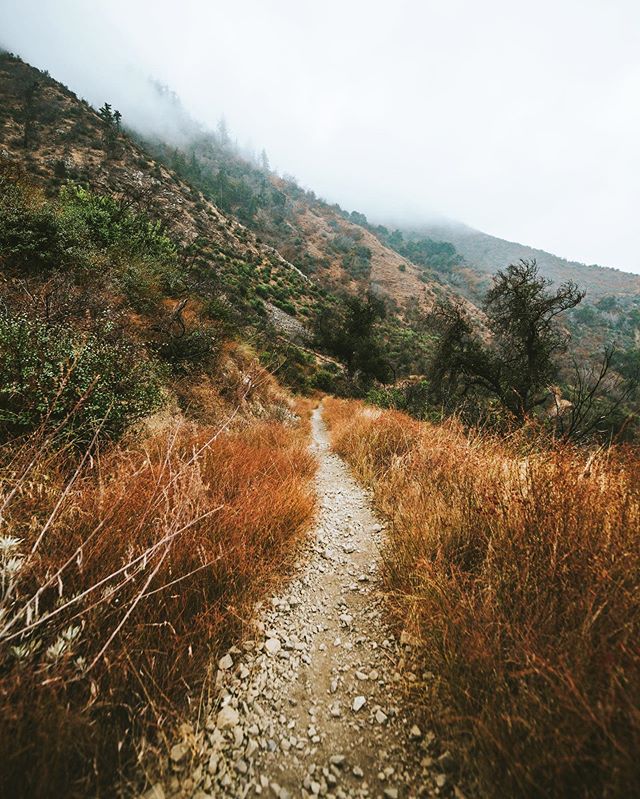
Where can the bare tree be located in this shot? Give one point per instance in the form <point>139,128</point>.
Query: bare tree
<point>594,401</point>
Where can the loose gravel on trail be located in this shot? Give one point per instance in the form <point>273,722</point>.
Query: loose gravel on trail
<point>313,704</point>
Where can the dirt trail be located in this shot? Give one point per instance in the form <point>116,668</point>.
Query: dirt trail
<point>313,704</point>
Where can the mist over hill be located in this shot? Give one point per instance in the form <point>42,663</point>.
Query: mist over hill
<point>486,253</point>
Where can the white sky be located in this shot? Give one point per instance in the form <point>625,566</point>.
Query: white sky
<point>519,118</point>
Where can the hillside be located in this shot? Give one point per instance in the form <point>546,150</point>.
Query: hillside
<point>56,137</point>
<point>340,250</point>
<point>485,253</point>
<point>264,241</point>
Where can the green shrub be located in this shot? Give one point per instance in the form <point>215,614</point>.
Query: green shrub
<point>111,224</point>
<point>192,352</point>
<point>33,238</point>
<point>79,382</point>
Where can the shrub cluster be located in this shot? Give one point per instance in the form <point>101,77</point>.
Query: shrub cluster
<point>77,383</point>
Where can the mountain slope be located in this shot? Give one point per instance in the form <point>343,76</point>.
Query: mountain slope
<point>487,253</point>
<point>340,250</point>
<point>56,137</point>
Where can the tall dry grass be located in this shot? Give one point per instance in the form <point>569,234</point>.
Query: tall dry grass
<point>519,570</point>
<point>121,575</point>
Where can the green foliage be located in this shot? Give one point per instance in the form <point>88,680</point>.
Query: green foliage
<point>356,258</point>
<point>412,397</point>
<point>293,366</point>
<point>440,256</point>
<point>113,225</point>
<point>111,120</point>
<point>329,378</point>
<point>80,382</point>
<point>38,236</point>
<point>143,257</point>
<point>350,330</point>
<point>190,353</point>
<point>33,237</point>
<point>520,362</point>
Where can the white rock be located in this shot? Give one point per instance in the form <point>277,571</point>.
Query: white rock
<point>272,645</point>
<point>156,792</point>
<point>359,702</point>
<point>179,752</point>
<point>380,717</point>
<point>225,663</point>
<point>227,717</point>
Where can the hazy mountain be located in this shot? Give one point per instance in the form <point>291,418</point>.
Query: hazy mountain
<point>487,253</point>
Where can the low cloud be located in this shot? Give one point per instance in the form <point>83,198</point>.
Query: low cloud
<point>520,120</point>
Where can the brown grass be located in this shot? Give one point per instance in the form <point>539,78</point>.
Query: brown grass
<point>134,571</point>
<point>519,570</point>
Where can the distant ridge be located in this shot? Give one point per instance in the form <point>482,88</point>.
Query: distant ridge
<point>487,253</point>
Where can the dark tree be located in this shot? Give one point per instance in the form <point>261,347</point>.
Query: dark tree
<point>111,126</point>
<point>522,315</point>
<point>349,331</point>
<point>28,93</point>
<point>518,362</point>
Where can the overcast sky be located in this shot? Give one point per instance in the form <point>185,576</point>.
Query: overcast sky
<point>519,118</point>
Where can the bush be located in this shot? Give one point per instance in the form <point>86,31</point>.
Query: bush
<point>33,238</point>
<point>49,374</point>
<point>192,352</point>
<point>112,224</point>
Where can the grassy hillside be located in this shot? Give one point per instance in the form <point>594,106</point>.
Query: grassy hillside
<point>55,137</point>
<point>339,249</point>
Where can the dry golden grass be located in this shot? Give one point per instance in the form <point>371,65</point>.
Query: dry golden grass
<point>519,570</point>
<point>121,578</point>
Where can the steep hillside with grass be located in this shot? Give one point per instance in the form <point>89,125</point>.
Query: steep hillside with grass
<point>55,138</point>
<point>337,248</point>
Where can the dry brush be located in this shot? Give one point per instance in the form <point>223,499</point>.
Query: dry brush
<point>122,574</point>
<point>518,567</point>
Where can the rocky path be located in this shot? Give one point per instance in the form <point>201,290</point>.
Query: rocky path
<point>312,705</point>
